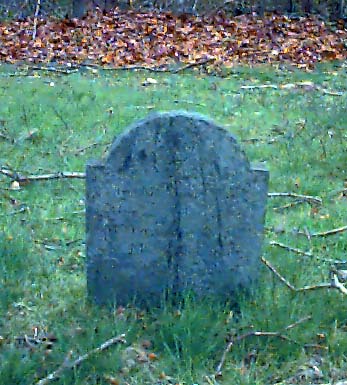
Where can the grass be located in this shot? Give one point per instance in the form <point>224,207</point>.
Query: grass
<point>56,123</point>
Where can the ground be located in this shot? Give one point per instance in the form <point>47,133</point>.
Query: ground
<point>291,120</point>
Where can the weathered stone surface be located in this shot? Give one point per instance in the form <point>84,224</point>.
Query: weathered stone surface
<point>175,206</point>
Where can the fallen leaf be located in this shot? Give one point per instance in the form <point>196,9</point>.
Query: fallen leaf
<point>15,185</point>
<point>152,356</point>
<point>111,380</point>
<point>118,39</point>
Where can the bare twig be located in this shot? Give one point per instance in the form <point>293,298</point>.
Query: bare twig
<point>260,86</point>
<point>27,178</point>
<point>35,341</point>
<point>64,71</point>
<point>67,364</point>
<point>306,253</point>
<point>88,146</point>
<point>298,322</point>
<point>316,347</point>
<point>278,334</point>
<point>54,246</point>
<point>327,92</point>
<point>123,68</point>
<point>289,86</point>
<point>37,10</point>
<point>290,382</point>
<point>195,64</point>
<point>329,232</point>
<point>61,117</point>
<point>150,69</point>
<point>292,249</point>
<point>22,209</point>
<point>334,283</point>
<point>278,275</point>
<point>308,198</point>
<point>155,69</point>
<point>289,205</point>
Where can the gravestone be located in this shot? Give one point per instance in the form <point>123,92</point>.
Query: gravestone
<point>175,206</point>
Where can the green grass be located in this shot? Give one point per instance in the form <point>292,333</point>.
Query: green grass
<point>300,133</point>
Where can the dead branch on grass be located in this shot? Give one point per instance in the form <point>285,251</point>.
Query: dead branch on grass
<point>307,198</point>
<point>20,178</point>
<point>62,71</point>
<point>195,64</point>
<point>260,86</point>
<point>155,69</point>
<point>278,334</point>
<point>289,86</point>
<point>89,146</point>
<point>93,66</point>
<point>66,124</point>
<point>67,364</point>
<point>289,205</point>
<point>22,209</point>
<point>327,92</point>
<point>333,284</point>
<point>289,381</point>
<point>325,233</point>
<point>306,253</point>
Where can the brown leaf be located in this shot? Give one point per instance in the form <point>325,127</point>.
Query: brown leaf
<point>118,39</point>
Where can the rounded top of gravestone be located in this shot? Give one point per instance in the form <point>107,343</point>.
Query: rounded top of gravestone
<point>174,126</point>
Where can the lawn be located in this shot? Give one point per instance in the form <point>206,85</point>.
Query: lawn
<point>295,122</point>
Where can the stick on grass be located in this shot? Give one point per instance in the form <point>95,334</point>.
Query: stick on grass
<point>278,334</point>
<point>67,364</point>
<point>308,198</point>
<point>27,178</point>
<point>329,232</point>
<point>333,284</point>
<point>306,253</point>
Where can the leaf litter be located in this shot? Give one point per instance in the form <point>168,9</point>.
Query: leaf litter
<point>117,39</point>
